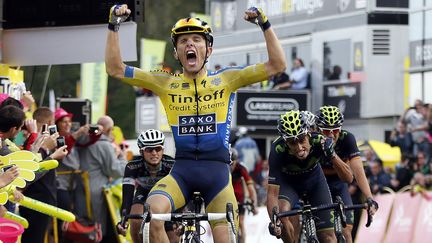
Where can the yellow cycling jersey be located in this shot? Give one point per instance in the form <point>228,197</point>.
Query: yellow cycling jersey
<point>199,110</point>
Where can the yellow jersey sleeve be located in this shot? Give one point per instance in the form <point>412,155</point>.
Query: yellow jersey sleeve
<point>244,76</point>
<point>153,80</point>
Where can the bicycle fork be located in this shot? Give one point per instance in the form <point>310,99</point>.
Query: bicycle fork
<point>311,234</point>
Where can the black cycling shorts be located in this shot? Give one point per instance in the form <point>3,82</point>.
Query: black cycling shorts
<point>313,184</point>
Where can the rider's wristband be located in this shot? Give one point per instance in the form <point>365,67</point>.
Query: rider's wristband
<point>113,27</point>
<point>265,26</point>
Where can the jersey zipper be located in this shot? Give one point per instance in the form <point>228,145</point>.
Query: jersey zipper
<point>196,120</point>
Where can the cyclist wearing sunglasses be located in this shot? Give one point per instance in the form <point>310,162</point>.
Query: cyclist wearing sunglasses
<point>329,121</point>
<point>199,106</point>
<point>140,176</point>
<point>295,170</point>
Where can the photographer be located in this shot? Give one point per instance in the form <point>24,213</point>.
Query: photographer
<point>43,188</point>
<point>103,163</point>
<point>11,121</point>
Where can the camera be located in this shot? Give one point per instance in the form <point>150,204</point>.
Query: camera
<point>94,129</point>
<point>52,129</point>
<point>61,141</point>
<point>7,167</point>
<point>44,128</point>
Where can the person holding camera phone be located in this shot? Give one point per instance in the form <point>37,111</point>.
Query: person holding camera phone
<point>43,187</point>
<point>11,121</point>
<point>7,175</point>
<point>68,196</point>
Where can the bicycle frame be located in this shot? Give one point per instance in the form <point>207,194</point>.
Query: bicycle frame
<point>307,225</point>
<point>191,231</point>
<point>340,218</point>
<point>308,230</point>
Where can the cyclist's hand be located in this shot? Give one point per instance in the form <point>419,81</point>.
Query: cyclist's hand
<point>120,229</point>
<point>255,211</point>
<point>328,148</point>
<point>257,16</point>
<point>275,230</point>
<point>372,206</point>
<point>178,229</point>
<point>118,14</point>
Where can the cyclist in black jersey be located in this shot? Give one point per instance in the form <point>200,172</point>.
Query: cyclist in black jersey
<point>295,169</point>
<point>329,121</point>
<point>140,176</point>
<point>199,107</point>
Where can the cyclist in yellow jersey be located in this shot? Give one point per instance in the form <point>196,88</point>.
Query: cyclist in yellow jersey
<point>199,106</point>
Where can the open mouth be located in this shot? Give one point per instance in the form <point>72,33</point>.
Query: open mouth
<point>191,57</point>
<point>301,153</point>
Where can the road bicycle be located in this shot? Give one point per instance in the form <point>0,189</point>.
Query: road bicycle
<point>340,217</point>
<point>307,219</point>
<point>189,220</point>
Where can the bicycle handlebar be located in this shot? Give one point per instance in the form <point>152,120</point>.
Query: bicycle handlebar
<point>334,206</point>
<point>176,216</point>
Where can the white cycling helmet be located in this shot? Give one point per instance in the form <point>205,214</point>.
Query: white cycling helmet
<point>310,118</point>
<point>150,138</point>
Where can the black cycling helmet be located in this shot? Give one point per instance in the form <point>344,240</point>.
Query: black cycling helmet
<point>329,116</point>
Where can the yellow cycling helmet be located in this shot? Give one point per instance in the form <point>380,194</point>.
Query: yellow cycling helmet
<point>190,26</point>
<point>329,116</point>
<point>292,124</point>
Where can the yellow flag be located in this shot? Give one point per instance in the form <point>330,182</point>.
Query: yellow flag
<point>94,81</point>
<point>152,54</point>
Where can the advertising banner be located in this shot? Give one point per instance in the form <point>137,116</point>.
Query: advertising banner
<point>146,116</point>
<point>423,229</point>
<point>227,15</point>
<point>346,96</point>
<point>11,81</point>
<point>262,109</point>
<point>94,81</point>
<point>376,232</point>
<point>420,52</point>
<point>403,218</point>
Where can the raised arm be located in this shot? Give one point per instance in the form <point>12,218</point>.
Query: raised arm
<point>113,61</point>
<point>277,62</point>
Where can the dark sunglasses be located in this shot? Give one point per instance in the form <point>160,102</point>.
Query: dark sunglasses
<point>328,131</point>
<point>150,149</point>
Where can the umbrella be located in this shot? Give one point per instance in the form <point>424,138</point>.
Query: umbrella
<point>389,155</point>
